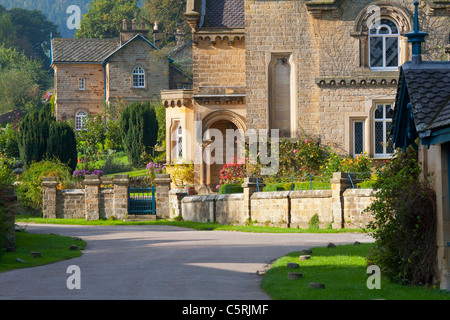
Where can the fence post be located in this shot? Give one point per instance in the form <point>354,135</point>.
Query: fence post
<point>49,197</point>
<point>91,197</point>
<point>250,186</point>
<point>162,187</point>
<point>120,199</point>
<point>339,183</point>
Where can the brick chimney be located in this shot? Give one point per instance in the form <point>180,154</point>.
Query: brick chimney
<point>127,34</point>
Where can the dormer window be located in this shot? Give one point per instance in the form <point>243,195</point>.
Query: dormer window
<point>138,78</point>
<point>384,45</point>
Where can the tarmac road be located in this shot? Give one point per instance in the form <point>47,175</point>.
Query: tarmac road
<point>160,263</point>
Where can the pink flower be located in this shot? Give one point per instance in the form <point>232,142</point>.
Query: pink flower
<point>306,141</point>
<point>295,151</point>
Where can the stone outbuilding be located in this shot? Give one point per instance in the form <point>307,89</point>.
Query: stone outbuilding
<point>92,72</point>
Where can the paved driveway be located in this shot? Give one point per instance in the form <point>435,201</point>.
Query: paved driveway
<point>161,262</point>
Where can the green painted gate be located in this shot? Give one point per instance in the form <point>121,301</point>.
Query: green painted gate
<point>141,201</point>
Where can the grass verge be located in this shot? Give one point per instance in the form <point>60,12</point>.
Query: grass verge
<point>184,224</point>
<point>343,270</point>
<point>53,248</point>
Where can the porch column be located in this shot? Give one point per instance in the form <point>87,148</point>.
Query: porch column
<point>339,183</point>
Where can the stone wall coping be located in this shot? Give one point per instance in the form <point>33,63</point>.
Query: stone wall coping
<point>271,195</point>
<point>214,197</point>
<point>72,191</point>
<point>232,196</point>
<point>92,180</point>
<point>310,194</point>
<point>358,193</point>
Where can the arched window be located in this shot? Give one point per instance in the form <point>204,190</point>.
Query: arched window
<point>79,120</point>
<point>384,47</point>
<point>138,78</point>
<point>179,145</point>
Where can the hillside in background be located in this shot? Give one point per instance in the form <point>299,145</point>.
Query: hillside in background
<point>55,11</point>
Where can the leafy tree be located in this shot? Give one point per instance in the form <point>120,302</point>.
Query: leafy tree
<point>140,130</point>
<point>32,30</point>
<point>404,222</point>
<point>7,30</point>
<point>104,18</point>
<point>170,16</point>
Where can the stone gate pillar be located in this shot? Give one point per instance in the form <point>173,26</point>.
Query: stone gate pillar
<point>91,197</point>
<point>162,187</point>
<point>49,197</point>
<point>339,183</point>
<point>250,186</point>
<point>120,199</point>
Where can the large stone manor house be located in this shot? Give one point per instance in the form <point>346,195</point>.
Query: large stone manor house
<point>327,70</point>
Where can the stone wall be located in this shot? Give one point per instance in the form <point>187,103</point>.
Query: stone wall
<point>338,208</point>
<point>95,202</point>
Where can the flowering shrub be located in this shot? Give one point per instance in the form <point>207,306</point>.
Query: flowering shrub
<point>83,173</point>
<point>361,165</point>
<point>153,169</point>
<point>232,173</point>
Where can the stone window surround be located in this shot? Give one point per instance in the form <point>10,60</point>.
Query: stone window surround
<point>78,115</point>
<point>81,84</point>
<point>368,117</point>
<point>403,19</point>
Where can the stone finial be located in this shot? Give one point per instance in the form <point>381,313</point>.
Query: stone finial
<point>416,37</point>
<point>133,24</point>
<point>124,24</point>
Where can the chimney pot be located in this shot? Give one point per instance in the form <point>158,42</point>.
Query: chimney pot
<point>133,24</point>
<point>124,26</point>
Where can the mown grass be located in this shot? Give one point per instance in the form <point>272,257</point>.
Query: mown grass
<point>52,247</point>
<point>343,270</point>
<point>183,224</point>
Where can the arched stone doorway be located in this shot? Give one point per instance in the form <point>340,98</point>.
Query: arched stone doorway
<point>220,133</point>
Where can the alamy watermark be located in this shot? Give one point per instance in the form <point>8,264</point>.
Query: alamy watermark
<point>74,20</point>
<point>74,280</point>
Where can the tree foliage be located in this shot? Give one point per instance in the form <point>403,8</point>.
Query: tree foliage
<point>40,137</point>
<point>104,18</point>
<point>404,222</point>
<point>140,130</point>
<point>170,16</point>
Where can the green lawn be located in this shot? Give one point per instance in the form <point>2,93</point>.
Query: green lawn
<point>52,247</point>
<point>343,270</point>
<point>183,224</point>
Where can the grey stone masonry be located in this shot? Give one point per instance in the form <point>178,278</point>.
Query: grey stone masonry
<point>162,187</point>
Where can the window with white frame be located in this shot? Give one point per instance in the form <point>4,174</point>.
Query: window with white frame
<point>138,78</point>
<point>81,84</point>
<point>382,118</point>
<point>79,120</point>
<point>358,137</point>
<point>384,45</point>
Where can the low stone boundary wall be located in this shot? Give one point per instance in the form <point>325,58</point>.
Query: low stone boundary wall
<point>337,208</point>
<point>95,202</point>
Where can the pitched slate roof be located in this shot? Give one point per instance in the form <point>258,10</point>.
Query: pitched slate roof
<point>82,50</point>
<point>426,86</point>
<point>224,14</point>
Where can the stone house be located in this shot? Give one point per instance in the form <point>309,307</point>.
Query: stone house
<point>327,70</point>
<point>92,72</point>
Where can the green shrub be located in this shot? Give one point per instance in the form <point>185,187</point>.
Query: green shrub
<point>314,222</point>
<point>230,188</point>
<point>404,222</point>
<point>29,189</point>
<point>140,130</point>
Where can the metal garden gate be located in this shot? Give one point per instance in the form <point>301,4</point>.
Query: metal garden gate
<point>141,201</point>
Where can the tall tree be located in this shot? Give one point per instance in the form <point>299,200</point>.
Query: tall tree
<point>104,18</point>
<point>170,16</point>
<point>140,130</point>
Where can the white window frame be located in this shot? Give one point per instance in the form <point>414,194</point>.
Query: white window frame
<point>383,120</point>
<point>138,78</point>
<point>81,84</point>
<point>362,138</point>
<point>384,36</point>
<point>79,120</point>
